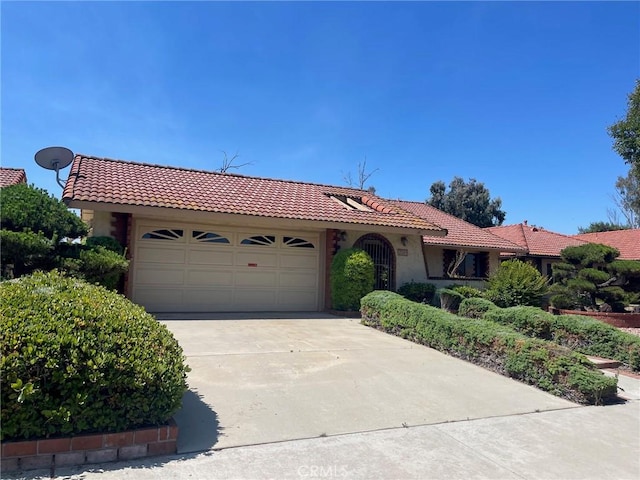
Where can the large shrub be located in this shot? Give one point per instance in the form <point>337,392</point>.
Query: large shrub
<point>25,207</point>
<point>352,277</point>
<point>78,358</point>
<point>418,292</point>
<point>589,276</point>
<point>516,283</point>
<point>548,366</point>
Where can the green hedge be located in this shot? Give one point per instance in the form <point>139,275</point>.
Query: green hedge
<point>546,365</point>
<point>79,358</point>
<point>583,334</point>
<point>450,299</point>
<point>475,307</point>
<point>418,292</point>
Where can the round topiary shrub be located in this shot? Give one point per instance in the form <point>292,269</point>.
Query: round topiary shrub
<point>352,277</point>
<point>78,358</point>
<point>475,307</point>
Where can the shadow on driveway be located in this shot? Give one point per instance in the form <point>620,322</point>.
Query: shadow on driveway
<point>197,423</point>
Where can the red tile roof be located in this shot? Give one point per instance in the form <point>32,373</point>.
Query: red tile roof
<point>12,176</point>
<point>538,241</point>
<point>626,241</point>
<point>459,232</point>
<point>116,182</point>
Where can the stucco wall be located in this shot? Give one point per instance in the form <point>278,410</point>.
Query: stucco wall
<point>100,222</point>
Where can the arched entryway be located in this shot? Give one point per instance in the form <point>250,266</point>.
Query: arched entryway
<point>384,259</point>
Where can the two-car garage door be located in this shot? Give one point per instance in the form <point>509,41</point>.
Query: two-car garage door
<point>191,268</point>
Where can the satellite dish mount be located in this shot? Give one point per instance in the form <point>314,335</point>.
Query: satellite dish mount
<point>54,158</point>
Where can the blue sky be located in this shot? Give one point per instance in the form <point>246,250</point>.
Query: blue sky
<point>515,94</point>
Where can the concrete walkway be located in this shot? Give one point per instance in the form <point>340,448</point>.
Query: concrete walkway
<point>325,397</point>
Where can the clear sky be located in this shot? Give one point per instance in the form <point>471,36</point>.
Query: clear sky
<point>515,94</point>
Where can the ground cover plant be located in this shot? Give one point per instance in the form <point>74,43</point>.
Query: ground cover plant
<point>582,334</point>
<point>78,358</point>
<point>544,364</point>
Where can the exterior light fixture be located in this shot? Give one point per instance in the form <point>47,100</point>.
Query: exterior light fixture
<point>404,241</point>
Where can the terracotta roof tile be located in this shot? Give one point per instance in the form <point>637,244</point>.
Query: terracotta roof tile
<point>102,180</point>
<point>459,232</point>
<point>12,176</point>
<point>626,241</point>
<point>537,240</point>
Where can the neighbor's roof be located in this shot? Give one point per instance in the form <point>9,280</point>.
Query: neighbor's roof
<point>116,182</point>
<point>538,241</point>
<point>459,232</point>
<point>626,241</point>
<point>12,176</point>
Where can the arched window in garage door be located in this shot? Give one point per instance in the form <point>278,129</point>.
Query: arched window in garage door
<point>384,259</point>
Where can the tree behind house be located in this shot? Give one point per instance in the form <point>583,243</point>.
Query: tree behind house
<point>470,202</point>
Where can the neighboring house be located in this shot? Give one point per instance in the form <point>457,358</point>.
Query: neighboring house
<point>542,246</point>
<point>204,241</point>
<point>12,176</point>
<point>626,241</point>
<point>466,255</point>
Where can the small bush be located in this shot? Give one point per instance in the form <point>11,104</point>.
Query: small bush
<point>109,243</point>
<point>78,358</point>
<point>516,283</point>
<point>352,277</point>
<point>418,292</point>
<point>475,307</point>
<point>548,366</point>
<point>467,291</point>
<point>449,299</point>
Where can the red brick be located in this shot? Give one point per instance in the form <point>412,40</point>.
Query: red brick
<point>33,463</point>
<point>19,449</point>
<point>121,439</point>
<point>132,451</point>
<point>54,445</point>
<point>163,448</point>
<point>146,435</point>
<point>173,430</point>
<point>87,442</point>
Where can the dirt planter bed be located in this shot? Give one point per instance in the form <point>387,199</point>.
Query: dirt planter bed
<point>88,449</point>
<point>621,320</point>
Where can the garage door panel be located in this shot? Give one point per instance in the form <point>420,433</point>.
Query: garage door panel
<point>155,275</point>
<point>296,299</point>
<point>298,279</point>
<point>298,261</point>
<point>213,256</point>
<point>219,298</point>
<point>153,254</point>
<point>259,259</point>
<point>159,297</point>
<point>210,277</point>
<point>253,277</point>
<point>256,299</point>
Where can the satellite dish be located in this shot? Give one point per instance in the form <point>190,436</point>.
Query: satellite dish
<point>54,158</point>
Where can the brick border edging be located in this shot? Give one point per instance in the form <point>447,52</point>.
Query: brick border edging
<point>88,449</point>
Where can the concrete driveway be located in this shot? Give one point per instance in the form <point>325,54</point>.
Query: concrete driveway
<point>260,380</point>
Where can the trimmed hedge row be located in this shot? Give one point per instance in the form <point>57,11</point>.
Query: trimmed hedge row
<point>544,364</point>
<point>583,334</point>
<point>78,358</point>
